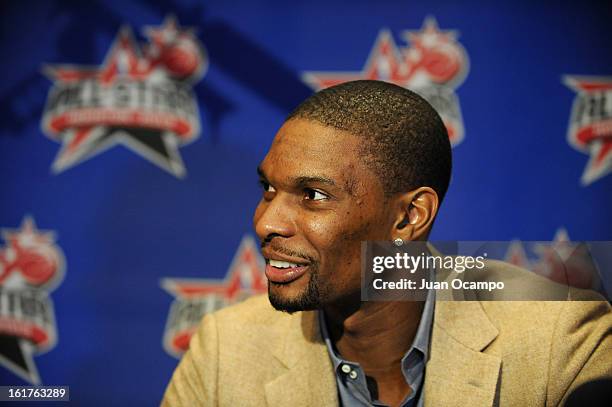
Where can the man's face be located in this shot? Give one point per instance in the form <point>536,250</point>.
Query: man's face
<point>319,202</point>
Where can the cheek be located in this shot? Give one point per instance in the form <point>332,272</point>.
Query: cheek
<point>339,225</point>
<point>338,242</point>
<point>350,244</point>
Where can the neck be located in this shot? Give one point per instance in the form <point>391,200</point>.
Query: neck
<point>374,334</point>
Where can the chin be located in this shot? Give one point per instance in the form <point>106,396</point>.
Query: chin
<point>284,299</point>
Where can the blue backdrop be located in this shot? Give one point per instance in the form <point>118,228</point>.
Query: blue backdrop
<point>132,223</point>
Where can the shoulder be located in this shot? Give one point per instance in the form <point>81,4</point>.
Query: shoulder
<point>576,309</point>
<point>547,317</point>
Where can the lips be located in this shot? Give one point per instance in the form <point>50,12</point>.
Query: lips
<point>284,272</point>
<point>284,276</point>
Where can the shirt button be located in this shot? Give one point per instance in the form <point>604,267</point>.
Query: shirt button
<point>353,374</point>
<point>345,368</point>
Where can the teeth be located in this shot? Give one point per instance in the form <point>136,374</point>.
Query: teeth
<point>282,264</point>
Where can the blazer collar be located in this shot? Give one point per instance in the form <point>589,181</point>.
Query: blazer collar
<point>309,379</point>
<point>458,372</point>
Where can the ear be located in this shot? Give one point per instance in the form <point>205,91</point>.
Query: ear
<point>415,213</point>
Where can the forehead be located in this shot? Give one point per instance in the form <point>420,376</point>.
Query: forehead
<point>307,148</point>
<point>319,142</point>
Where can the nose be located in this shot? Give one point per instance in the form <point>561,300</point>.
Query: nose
<point>274,218</point>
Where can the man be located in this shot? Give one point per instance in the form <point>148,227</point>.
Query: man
<point>366,161</point>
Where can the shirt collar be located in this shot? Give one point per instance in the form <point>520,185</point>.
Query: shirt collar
<point>420,341</point>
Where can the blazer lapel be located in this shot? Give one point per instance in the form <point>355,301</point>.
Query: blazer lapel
<point>309,379</point>
<point>458,373</point>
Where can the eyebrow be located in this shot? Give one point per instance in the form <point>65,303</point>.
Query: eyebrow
<point>303,181</point>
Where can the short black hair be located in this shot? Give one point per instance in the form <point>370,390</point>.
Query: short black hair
<point>407,143</point>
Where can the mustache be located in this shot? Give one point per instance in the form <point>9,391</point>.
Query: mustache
<point>278,248</point>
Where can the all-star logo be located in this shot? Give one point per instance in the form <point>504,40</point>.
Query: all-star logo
<point>31,266</point>
<point>142,101</point>
<point>563,261</point>
<point>196,297</point>
<point>590,127</point>
<point>434,65</point>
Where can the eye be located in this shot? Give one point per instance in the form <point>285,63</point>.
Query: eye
<point>266,186</point>
<point>314,195</point>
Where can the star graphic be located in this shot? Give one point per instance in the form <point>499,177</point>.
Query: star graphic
<point>15,350</point>
<point>592,133</point>
<point>86,131</point>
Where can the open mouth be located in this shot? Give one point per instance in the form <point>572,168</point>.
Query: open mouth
<point>283,272</point>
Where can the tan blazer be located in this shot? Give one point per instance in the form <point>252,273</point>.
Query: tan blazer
<point>507,353</point>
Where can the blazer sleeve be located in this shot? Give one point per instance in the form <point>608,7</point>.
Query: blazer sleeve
<point>194,382</point>
<point>581,354</point>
